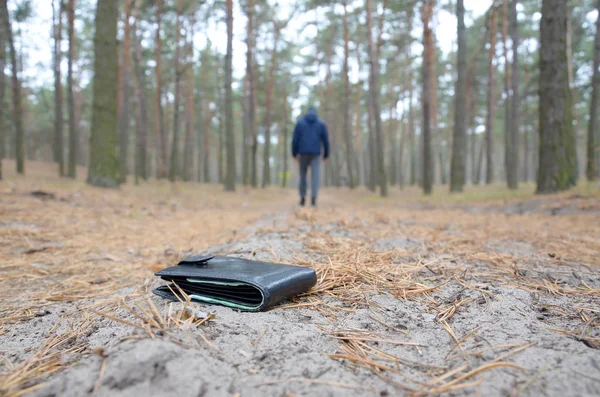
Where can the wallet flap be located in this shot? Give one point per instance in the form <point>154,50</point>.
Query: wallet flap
<point>196,260</point>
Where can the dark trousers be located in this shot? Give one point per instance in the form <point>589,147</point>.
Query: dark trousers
<point>312,161</point>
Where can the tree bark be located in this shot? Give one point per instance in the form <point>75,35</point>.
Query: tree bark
<point>513,163</point>
<point>175,145</point>
<point>347,95</point>
<point>411,114</point>
<point>459,142</point>
<point>188,154</point>
<point>16,92</point>
<point>161,133</point>
<point>141,123</point>
<point>125,94</point>
<point>104,166</point>
<point>491,103</point>
<point>591,168</point>
<point>250,140</point>
<point>557,168</point>
<point>571,75</point>
<point>58,94</point>
<point>426,15</point>
<point>269,107</point>
<point>73,127</point>
<point>374,91</point>
<point>3,149</point>
<point>231,172</point>
<point>471,104</point>
<point>286,145</point>
<point>2,87</point>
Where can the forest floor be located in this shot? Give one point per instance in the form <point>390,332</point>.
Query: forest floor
<point>485,293</point>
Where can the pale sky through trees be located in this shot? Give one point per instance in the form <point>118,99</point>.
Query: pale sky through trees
<point>37,42</point>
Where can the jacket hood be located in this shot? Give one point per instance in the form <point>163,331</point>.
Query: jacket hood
<point>311,117</point>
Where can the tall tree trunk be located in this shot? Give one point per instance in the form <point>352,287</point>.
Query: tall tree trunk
<point>175,146</point>
<point>250,141</point>
<point>526,132</point>
<point>412,147</point>
<point>557,168</point>
<point>16,92</point>
<point>82,144</point>
<point>250,72</point>
<point>231,172</point>
<point>58,94</point>
<point>104,165</point>
<point>188,154</point>
<point>471,104</point>
<point>591,169</point>
<point>207,141</point>
<point>207,66</point>
<point>426,15</point>
<point>285,127</point>
<point>392,142</point>
<point>141,123</point>
<point>269,108</point>
<point>401,177</point>
<point>161,133</point>
<point>571,74</point>
<point>374,91</point>
<point>125,94</point>
<point>459,142</point>
<point>2,87</point>
<point>513,163</point>
<point>347,94</point>
<point>491,103</point>
<point>73,127</point>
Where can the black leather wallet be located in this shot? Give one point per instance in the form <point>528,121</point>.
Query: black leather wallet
<point>234,282</point>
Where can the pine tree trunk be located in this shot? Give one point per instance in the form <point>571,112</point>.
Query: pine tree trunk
<point>58,94</point>
<point>250,142</point>
<point>513,164</point>
<point>73,128</point>
<point>491,103</point>
<point>175,145</point>
<point>285,126</point>
<point>471,104</point>
<point>426,15</point>
<point>125,94</point>
<point>591,168</point>
<point>141,123</point>
<point>269,109</point>
<point>459,142</point>
<point>188,154</point>
<point>104,165</point>
<point>231,171</point>
<point>392,144</point>
<point>16,92</point>
<point>508,141</point>
<point>161,133</point>
<point>347,95</point>
<point>401,177</point>
<point>380,173</point>
<point>557,168</point>
<point>571,74</point>
<point>2,88</point>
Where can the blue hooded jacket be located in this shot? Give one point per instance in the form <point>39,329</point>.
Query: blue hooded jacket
<point>309,135</point>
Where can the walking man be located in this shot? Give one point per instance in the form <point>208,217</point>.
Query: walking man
<point>310,136</point>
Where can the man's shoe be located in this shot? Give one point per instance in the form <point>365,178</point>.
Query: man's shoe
<point>313,201</point>
<point>302,201</point>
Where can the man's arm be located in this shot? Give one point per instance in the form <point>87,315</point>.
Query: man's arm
<point>325,140</point>
<point>295,141</point>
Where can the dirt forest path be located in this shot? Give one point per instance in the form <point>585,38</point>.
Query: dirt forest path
<point>413,297</point>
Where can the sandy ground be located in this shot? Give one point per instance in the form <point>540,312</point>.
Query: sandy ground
<point>496,299</point>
